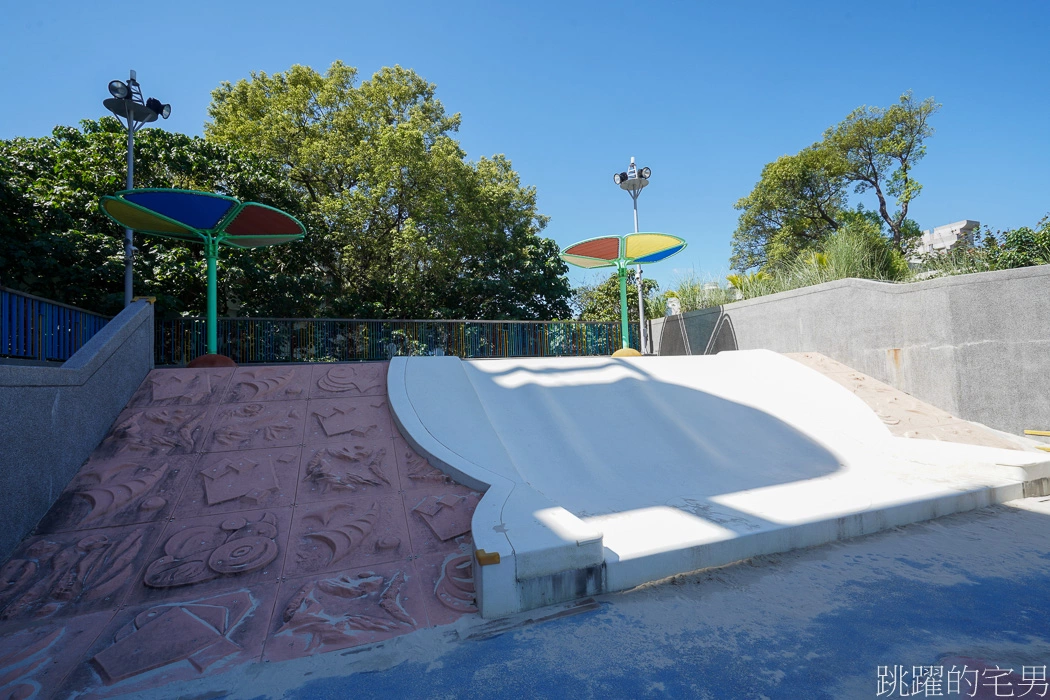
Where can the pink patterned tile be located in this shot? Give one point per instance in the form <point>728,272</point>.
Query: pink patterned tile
<point>224,482</point>
<point>352,418</point>
<point>439,518</point>
<point>342,610</point>
<point>246,426</point>
<point>349,379</point>
<point>170,387</point>
<point>447,581</point>
<point>119,491</point>
<point>415,471</point>
<point>363,531</point>
<point>348,469</point>
<point>35,659</point>
<point>140,433</point>
<point>268,383</point>
<point>214,553</point>
<point>150,645</point>
<point>73,573</point>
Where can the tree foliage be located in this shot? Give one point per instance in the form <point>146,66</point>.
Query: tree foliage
<point>58,245</point>
<point>797,202</point>
<point>801,199</point>
<point>601,302</point>
<point>409,227</point>
<point>879,148</point>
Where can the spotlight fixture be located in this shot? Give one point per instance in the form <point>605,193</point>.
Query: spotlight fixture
<point>119,89</point>
<point>161,109</point>
<point>646,172</point>
<point>619,177</point>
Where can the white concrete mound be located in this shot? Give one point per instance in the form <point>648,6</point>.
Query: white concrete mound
<point>602,474</point>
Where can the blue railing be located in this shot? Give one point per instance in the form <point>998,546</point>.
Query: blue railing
<point>266,340</point>
<point>39,329</point>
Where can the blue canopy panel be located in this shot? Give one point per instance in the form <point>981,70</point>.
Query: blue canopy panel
<point>199,210</point>
<point>659,255</point>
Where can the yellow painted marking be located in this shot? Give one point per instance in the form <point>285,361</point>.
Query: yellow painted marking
<point>1044,433</point>
<point>486,558</point>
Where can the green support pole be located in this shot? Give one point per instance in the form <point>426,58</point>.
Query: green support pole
<point>624,334</point>
<point>211,252</point>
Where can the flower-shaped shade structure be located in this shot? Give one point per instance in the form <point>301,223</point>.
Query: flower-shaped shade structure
<point>202,217</point>
<point>619,252</point>
<point>634,248</point>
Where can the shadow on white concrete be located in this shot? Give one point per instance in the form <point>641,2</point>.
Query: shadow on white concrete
<point>602,473</point>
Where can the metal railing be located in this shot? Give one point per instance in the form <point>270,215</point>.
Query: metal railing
<point>266,340</point>
<point>34,328</point>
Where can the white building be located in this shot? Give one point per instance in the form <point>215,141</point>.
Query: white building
<point>944,238</point>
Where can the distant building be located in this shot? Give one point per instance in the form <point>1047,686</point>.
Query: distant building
<point>944,238</point>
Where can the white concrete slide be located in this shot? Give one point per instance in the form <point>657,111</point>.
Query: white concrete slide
<point>602,474</point>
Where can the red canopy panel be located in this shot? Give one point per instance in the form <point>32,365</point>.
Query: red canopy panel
<point>260,220</point>
<point>607,248</point>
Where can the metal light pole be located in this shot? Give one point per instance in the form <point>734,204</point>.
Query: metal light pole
<point>127,104</point>
<point>634,181</point>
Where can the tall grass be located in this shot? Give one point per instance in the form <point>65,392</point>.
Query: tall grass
<point>855,250</point>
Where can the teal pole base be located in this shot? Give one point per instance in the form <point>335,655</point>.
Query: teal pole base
<point>211,252</point>
<point>624,333</point>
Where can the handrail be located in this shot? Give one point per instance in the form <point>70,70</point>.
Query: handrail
<point>271,340</point>
<point>27,295</point>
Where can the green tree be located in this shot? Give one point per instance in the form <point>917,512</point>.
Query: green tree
<point>797,203</point>
<point>409,226</point>
<point>879,148</point>
<point>601,302</point>
<point>58,245</point>
<point>801,199</point>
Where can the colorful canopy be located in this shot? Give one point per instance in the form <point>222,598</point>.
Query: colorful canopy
<point>201,217</point>
<point>610,251</point>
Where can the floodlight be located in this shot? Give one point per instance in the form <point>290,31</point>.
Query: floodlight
<point>119,89</point>
<point>165,111</point>
<point>646,172</point>
<point>618,178</point>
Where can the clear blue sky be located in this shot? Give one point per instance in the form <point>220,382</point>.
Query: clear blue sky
<point>703,93</point>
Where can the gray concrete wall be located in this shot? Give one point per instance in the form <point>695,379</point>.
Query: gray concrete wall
<point>53,417</point>
<point>975,345</point>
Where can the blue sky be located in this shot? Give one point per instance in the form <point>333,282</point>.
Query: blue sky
<point>703,93</point>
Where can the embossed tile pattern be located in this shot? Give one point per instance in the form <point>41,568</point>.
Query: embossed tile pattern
<point>232,515</point>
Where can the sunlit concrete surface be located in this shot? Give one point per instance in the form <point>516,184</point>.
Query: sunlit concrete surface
<point>603,474</point>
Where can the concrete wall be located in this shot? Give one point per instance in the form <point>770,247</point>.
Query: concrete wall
<point>976,345</point>
<point>53,417</point>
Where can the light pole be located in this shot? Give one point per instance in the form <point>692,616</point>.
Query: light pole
<point>127,104</point>
<point>634,181</point>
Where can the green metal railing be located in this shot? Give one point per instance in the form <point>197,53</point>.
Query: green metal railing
<point>267,340</point>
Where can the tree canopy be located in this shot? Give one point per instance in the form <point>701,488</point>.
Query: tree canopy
<point>58,245</point>
<point>399,223</point>
<point>801,199</point>
<point>601,301</point>
<point>409,227</point>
